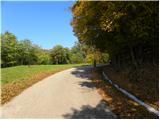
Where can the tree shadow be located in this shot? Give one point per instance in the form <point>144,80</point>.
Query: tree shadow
<point>83,72</point>
<point>87,84</point>
<point>101,111</point>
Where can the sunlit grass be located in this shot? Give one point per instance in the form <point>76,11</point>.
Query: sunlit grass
<point>20,73</point>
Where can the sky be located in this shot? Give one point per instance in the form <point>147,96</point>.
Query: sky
<point>45,23</point>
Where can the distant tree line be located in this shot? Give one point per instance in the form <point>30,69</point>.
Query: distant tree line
<point>23,52</point>
<point>128,31</point>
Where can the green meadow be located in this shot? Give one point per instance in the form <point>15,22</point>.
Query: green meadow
<point>19,73</point>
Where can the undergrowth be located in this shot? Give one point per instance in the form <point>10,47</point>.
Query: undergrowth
<point>120,104</point>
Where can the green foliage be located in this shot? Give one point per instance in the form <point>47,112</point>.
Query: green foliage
<point>59,55</point>
<point>89,58</point>
<point>24,52</point>
<point>74,55</point>
<point>8,49</point>
<point>44,59</point>
<point>98,56</point>
<point>78,53</point>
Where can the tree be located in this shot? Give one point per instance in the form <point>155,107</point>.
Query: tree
<point>78,53</point>
<point>14,52</point>
<point>59,55</point>
<point>98,56</point>
<point>43,56</point>
<point>8,49</point>
<point>44,59</point>
<point>27,53</point>
<point>117,27</point>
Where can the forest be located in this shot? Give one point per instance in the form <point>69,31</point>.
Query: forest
<point>127,31</point>
<point>23,52</point>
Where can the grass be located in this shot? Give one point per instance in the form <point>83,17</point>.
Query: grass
<point>15,79</point>
<point>19,73</point>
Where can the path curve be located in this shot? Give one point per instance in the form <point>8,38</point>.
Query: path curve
<point>67,94</point>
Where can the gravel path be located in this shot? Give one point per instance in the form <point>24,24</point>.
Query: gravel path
<point>67,94</point>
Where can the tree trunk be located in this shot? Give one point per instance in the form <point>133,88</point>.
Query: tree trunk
<point>113,61</point>
<point>133,57</point>
<point>21,61</point>
<point>140,54</point>
<point>94,64</point>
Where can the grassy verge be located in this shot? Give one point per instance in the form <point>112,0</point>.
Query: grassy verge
<point>15,79</point>
<point>121,105</point>
<point>144,83</point>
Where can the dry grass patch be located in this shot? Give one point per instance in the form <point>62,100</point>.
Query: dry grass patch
<point>12,89</point>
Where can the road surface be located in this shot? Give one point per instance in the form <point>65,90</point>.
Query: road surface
<point>67,94</point>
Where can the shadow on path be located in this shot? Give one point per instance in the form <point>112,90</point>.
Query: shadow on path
<point>87,84</point>
<point>100,111</point>
<point>89,112</point>
<point>84,72</point>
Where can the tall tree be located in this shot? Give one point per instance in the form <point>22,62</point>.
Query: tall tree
<point>59,55</point>
<point>78,53</point>
<point>117,27</point>
<point>8,49</point>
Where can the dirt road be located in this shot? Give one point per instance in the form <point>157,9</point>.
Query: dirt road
<point>67,94</point>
